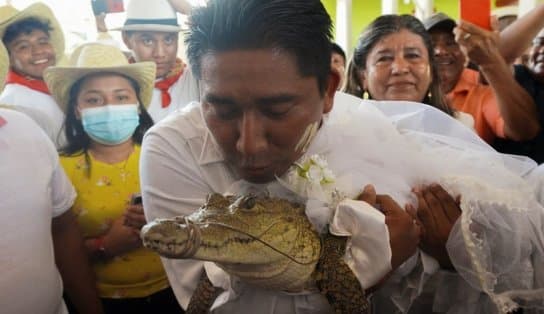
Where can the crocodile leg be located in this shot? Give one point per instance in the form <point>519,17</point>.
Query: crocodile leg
<point>203,297</point>
<point>336,281</point>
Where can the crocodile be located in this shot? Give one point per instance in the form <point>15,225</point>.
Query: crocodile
<point>264,241</point>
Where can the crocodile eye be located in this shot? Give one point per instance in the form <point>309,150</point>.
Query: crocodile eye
<point>248,203</point>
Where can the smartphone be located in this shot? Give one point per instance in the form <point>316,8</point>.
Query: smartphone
<point>107,6</point>
<point>477,12</point>
<point>136,199</point>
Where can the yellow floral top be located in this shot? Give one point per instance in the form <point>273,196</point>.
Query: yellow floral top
<point>101,198</point>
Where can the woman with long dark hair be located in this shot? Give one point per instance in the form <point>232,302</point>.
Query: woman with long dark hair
<point>394,60</point>
<point>105,101</point>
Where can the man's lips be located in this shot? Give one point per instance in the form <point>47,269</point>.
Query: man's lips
<point>444,61</point>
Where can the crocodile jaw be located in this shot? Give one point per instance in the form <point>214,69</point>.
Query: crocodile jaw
<point>171,239</point>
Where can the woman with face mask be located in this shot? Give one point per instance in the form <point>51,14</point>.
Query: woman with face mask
<point>105,99</point>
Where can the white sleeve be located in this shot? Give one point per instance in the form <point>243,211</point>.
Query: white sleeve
<point>368,252</point>
<point>62,191</point>
<point>171,186</point>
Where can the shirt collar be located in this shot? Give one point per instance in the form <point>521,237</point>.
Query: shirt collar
<point>210,153</point>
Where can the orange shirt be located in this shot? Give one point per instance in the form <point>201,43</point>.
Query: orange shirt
<point>477,99</point>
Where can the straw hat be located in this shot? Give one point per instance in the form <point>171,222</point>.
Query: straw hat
<point>4,65</point>
<point>159,17</point>
<point>98,58</point>
<point>10,15</point>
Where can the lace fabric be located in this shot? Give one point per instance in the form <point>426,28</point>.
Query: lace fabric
<point>497,246</point>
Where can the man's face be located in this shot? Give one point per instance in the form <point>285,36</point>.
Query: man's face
<point>536,57</point>
<point>158,47</point>
<point>258,107</point>
<point>30,54</point>
<point>449,58</point>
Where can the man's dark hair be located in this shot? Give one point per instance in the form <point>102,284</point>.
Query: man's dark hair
<point>381,27</point>
<point>25,26</point>
<point>338,50</point>
<point>301,28</point>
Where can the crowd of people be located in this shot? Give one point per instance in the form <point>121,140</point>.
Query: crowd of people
<point>432,132</point>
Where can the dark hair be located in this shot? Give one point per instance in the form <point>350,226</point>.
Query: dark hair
<point>299,27</point>
<point>25,26</point>
<point>77,139</point>
<point>338,50</point>
<point>378,29</point>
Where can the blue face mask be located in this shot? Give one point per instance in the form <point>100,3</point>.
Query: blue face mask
<point>110,124</point>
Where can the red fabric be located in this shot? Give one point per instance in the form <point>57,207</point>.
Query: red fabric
<point>164,84</point>
<point>35,84</point>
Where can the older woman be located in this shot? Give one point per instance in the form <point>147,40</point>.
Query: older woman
<point>394,60</point>
<point>105,99</point>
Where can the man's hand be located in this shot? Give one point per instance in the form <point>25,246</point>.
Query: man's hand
<point>479,45</point>
<point>404,232</point>
<point>438,211</point>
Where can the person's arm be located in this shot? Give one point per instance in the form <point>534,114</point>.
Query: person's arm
<point>182,6</point>
<point>172,185</point>
<point>517,37</point>
<point>73,264</point>
<point>516,106</point>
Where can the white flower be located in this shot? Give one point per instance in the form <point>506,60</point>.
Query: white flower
<point>311,178</point>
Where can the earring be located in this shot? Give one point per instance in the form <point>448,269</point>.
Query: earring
<point>365,95</point>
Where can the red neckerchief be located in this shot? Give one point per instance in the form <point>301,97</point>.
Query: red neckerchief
<point>32,83</point>
<point>164,84</point>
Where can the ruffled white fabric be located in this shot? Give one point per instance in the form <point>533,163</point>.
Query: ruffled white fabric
<point>496,246</point>
<point>368,247</point>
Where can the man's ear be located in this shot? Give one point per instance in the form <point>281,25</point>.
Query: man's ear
<point>126,40</point>
<point>330,91</point>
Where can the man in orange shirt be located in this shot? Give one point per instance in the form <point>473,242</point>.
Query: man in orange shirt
<point>502,108</point>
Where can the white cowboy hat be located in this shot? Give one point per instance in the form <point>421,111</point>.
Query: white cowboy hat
<point>155,16</point>
<point>98,58</point>
<point>10,15</point>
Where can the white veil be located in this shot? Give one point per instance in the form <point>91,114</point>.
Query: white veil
<point>497,245</point>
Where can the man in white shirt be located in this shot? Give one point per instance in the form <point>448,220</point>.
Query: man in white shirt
<point>34,40</point>
<point>151,32</point>
<point>267,102</point>
<point>38,228</point>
